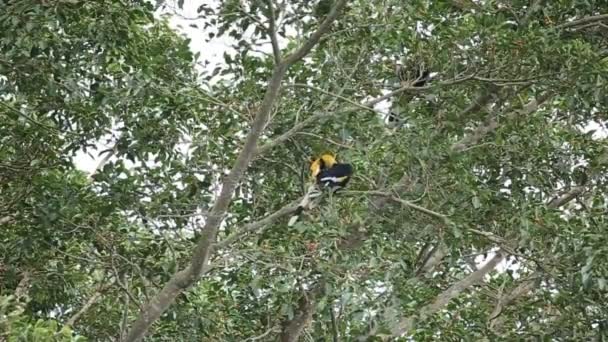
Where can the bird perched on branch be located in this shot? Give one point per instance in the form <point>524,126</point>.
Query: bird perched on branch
<point>327,173</point>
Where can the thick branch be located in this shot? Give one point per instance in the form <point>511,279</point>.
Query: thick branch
<point>188,276</point>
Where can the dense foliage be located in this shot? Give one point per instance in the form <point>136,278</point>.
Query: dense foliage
<point>479,213</point>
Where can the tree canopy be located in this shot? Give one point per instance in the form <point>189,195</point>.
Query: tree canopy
<point>477,212</point>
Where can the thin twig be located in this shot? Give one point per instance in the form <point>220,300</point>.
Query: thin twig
<point>324,138</point>
<point>354,103</point>
<point>406,203</point>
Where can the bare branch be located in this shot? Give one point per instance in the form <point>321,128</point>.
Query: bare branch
<point>410,88</point>
<point>324,138</point>
<point>185,278</point>
<point>406,203</point>
<point>259,337</point>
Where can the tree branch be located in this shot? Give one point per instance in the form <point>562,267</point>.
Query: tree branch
<point>505,300</point>
<point>481,100</point>
<point>253,226</point>
<point>292,329</point>
<point>276,51</point>
<point>528,285</point>
<point>90,302</point>
<point>368,105</point>
<point>491,123</point>
<point>185,278</point>
<point>407,323</point>
<point>314,38</point>
<point>559,201</point>
<point>582,21</point>
<point>340,97</point>
<point>406,203</point>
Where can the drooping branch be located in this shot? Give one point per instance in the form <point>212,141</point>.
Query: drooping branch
<point>186,277</point>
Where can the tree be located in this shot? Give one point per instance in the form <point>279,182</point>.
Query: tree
<point>477,214</point>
